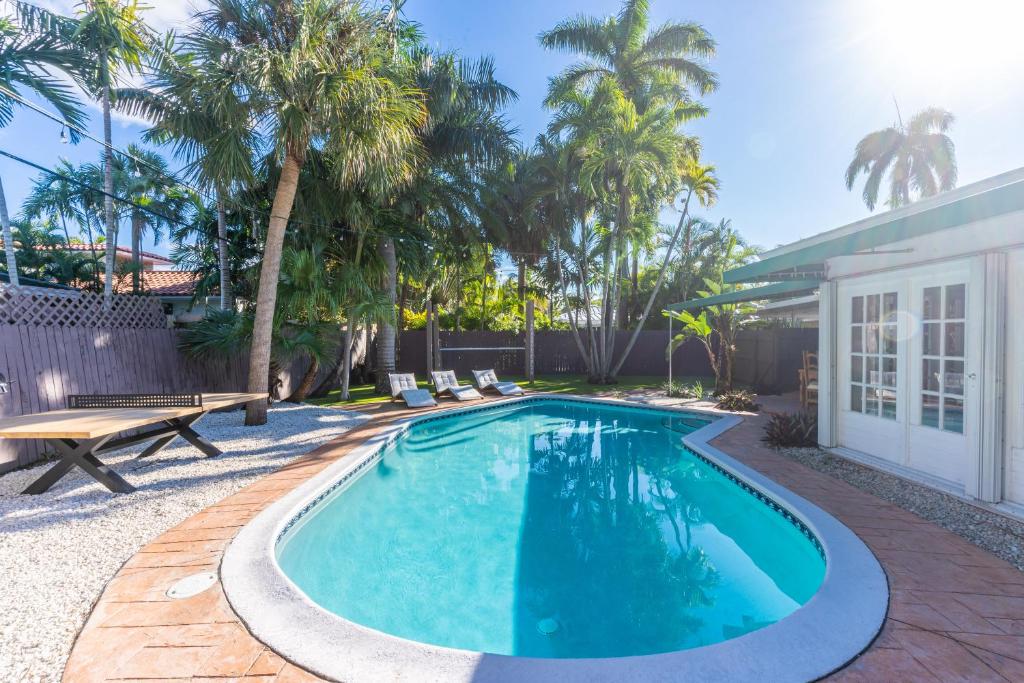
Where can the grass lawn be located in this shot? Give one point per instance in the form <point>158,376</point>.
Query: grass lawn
<point>555,384</point>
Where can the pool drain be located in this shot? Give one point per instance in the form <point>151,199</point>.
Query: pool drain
<point>191,585</point>
<point>547,627</point>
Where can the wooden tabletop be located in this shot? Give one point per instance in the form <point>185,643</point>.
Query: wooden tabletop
<point>92,423</point>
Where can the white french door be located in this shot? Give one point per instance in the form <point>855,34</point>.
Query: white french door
<point>871,368</point>
<point>908,356</point>
<point>945,361</point>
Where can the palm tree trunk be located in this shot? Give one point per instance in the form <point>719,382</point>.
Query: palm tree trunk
<point>634,282</point>
<point>301,391</point>
<point>266,297</point>
<point>108,189</point>
<point>346,363</point>
<point>5,221</point>
<point>568,314</point>
<point>386,335</point>
<point>226,295</point>
<point>136,252</point>
<point>521,283</point>
<point>654,293</point>
<point>403,299</point>
<point>483,301</point>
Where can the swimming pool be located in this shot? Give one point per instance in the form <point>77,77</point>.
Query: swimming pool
<point>544,537</point>
<point>552,529</point>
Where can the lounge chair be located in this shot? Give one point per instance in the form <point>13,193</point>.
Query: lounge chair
<point>445,384</point>
<point>486,380</point>
<point>403,386</point>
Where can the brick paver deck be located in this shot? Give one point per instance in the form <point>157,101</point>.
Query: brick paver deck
<point>956,612</point>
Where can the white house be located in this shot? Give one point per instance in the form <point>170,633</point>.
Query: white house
<point>921,336</point>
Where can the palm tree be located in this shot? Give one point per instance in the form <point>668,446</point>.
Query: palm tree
<point>919,158</point>
<point>621,48</point>
<point>33,46</point>
<point>462,134</point>
<point>204,119</point>
<point>626,155</point>
<point>115,38</point>
<point>698,180</point>
<point>158,203</point>
<point>308,73</point>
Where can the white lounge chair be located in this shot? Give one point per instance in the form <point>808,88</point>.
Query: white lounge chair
<point>403,386</point>
<point>445,384</point>
<point>486,380</point>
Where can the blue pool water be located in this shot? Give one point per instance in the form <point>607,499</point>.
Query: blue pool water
<point>552,529</point>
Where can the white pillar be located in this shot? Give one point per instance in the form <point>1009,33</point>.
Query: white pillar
<point>828,383</point>
<point>991,372</point>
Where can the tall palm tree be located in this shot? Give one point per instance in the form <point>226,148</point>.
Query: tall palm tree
<point>622,48</point>
<point>627,155</point>
<point>308,73</point>
<point>196,111</point>
<point>462,134</point>
<point>34,45</point>
<point>115,37</point>
<point>918,157</point>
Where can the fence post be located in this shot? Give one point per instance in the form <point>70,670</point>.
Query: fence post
<point>430,339</point>
<point>436,332</point>
<point>529,341</point>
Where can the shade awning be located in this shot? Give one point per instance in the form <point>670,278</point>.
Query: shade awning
<point>773,291</point>
<point>810,260</point>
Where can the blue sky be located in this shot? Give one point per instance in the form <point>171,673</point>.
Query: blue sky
<point>801,82</point>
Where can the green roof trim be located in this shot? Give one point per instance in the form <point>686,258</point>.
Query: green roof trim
<point>810,259</point>
<point>772,291</point>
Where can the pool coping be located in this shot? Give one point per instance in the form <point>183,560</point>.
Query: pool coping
<point>841,620</point>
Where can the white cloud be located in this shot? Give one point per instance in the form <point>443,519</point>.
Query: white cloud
<point>161,15</point>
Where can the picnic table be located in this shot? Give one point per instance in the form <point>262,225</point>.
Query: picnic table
<point>88,426</point>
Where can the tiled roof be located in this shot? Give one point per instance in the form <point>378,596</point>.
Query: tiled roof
<point>160,283</point>
<point>122,251</point>
<point>102,249</point>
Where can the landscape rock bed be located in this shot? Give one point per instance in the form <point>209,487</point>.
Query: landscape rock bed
<point>58,550</point>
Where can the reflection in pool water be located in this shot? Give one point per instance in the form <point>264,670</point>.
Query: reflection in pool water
<point>552,529</point>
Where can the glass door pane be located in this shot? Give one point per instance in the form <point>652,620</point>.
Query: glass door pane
<point>943,351</point>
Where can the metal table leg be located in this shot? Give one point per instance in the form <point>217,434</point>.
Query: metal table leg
<point>182,426</point>
<point>81,454</point>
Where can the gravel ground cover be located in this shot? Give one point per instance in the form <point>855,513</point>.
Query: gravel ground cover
<point>59,549</point>
<point>998,534</point>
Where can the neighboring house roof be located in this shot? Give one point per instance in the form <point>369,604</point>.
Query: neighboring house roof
<point>121,251</point>
<point>161,283</point>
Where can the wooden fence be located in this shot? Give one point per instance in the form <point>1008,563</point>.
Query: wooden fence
<point>766,359</point>
<point>49,349</point>
<point>555,354</point>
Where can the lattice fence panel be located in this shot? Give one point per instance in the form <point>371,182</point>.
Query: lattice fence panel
<point>38,307</point>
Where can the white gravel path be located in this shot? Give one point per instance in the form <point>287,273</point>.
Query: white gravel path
<point>59,549</point>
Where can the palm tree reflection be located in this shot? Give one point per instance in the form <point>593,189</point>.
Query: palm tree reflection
<point>607,550</point>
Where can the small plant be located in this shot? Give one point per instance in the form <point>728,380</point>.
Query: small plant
<point>738,401</point>
<point>791,430</point>
<point>693,390</point>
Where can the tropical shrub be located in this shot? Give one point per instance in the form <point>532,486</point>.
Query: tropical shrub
<point>791,430</point>
<point>694,389</point>
<point>738,401</point>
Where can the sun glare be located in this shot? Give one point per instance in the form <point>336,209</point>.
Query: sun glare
<point>945,42</point>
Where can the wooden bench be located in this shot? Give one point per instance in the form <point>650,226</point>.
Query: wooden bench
<point>88,426</point>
